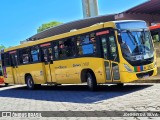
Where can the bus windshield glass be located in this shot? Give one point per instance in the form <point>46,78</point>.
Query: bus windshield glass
<point>136,41</point>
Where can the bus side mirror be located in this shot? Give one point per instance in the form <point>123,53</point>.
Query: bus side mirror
<point>119,36</point>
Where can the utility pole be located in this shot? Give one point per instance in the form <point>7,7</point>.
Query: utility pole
<point>90,8</point>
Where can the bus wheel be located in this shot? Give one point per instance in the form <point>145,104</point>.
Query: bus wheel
<point>30,83</point>
<point>91,81</point>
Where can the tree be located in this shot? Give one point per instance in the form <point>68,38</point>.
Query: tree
<point>48,25</point>
<point>2,47</point>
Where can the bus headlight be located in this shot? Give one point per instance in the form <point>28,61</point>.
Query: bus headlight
<point>128,68</point>
<point>155,64</point>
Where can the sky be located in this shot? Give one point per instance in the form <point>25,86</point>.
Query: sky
<point>20,19</point>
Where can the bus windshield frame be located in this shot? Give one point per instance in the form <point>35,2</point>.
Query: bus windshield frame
<point>136,42</point>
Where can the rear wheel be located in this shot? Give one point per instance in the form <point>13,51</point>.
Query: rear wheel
<point>30,83</point>
<point>91,81</point>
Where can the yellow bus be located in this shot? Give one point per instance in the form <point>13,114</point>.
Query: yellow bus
<point>112,52</point>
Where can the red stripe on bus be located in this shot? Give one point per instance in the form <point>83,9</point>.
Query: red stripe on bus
<point>12,52</point>
<point>46,44</point>
<point>139,69</point>
<point>102,32</point>
<point>154,27</point>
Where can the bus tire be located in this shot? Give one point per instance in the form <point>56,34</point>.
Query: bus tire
<point>91,81</point>
<point>30,83</point>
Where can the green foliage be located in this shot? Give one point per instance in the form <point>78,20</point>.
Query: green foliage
<point>2,47</point>
<point>48,25</point>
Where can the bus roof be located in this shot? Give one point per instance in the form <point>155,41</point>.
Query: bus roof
<point>154,26</point>
<point>61,36</point>
<point>68,34</point>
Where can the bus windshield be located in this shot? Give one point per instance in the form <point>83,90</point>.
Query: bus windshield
<point>136,43</point>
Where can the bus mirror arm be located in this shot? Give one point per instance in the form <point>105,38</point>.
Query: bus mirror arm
<point>119,39</point>
<point>119,35</point>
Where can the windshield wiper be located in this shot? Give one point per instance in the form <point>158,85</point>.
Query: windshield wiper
<point>133,37</point>
<point>143,37</point>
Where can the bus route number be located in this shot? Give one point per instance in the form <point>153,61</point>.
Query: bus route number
<point>85,64</point>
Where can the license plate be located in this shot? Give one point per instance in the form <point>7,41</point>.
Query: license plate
<point>148,67</point>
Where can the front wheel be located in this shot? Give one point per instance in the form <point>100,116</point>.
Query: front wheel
<point>91,81</point>
<point>30,83</point>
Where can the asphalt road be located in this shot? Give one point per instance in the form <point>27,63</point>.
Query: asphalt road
<point>131,97</point>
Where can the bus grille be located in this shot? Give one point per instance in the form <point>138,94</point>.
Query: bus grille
<point>141,75</point>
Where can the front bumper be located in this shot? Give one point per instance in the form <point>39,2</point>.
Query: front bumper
<point>132,76</point>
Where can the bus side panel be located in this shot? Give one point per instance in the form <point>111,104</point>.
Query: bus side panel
<point>10,77</point>
<point>36,70</point>
<point>97,66</point>
<point>62,68</point>
<point>69,71</point>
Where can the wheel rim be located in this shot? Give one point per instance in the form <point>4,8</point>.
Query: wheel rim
<point>89,79</point>
<point>30,83</point>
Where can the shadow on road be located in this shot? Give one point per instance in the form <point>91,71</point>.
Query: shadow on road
<point>71,93</point>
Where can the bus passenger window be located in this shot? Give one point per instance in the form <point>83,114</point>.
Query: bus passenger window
<point>104,45</point>
<point>25,56</point>
<point>35,54</point>
<point>61,49</point>
<point>113,49</point>
<point>56,53</point>
<point>79,46</point>
<point>50,54</point>
<point>45,58</point>
<point>88,44</point>
<point>5,59</point>
<point>67,48</point>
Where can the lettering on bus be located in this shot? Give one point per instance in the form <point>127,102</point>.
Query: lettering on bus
<point>60,67</point>
<point>76,65</point>
<point>85,64</point>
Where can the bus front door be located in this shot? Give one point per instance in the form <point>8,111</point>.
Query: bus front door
<point>110,54</point>
<point>48,64</point>
<point>14,64</point>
